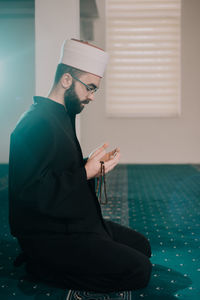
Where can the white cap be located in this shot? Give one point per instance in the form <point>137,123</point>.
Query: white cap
<point>84,56</point>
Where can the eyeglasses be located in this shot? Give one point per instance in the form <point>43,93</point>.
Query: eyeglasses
<point>89,89</point>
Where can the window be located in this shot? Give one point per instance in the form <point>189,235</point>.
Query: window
<point>143,74</point>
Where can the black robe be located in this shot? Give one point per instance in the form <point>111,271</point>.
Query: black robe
<point>48,190</point>
<point>55,214</point>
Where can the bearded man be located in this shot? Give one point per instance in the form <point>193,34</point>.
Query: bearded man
<point>54,210</point>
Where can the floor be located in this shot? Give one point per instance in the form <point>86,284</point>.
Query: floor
<point>160,201</point>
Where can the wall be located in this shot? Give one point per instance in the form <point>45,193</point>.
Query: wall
<point>52,26</point>
<point>29,54</point>
<point>55,21</point>
<point>153,140</point>
<point>17,73</point>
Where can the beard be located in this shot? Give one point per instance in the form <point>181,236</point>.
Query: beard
<point>72,102</point>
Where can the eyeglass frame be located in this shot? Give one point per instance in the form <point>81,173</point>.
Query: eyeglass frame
<point>91,91</point>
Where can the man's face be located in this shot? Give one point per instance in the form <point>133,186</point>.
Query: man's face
<point>78,95</point>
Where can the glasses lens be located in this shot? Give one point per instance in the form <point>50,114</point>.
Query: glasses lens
<point>90,90</point>
<point>94,90</point>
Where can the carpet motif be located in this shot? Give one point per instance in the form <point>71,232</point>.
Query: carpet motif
<point>164,205</point>
<point>74,295</point>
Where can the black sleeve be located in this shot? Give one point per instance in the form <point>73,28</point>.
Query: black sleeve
<point>38,186</point>
<point>85,160</point>
<point>92,182</point>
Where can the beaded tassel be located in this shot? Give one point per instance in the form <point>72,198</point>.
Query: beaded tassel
<point>101,180</point>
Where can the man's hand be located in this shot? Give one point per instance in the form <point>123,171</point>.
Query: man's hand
<point>110,155</point>
<point>110,159</point>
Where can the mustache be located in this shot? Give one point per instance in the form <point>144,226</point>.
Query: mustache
<point>85,101</point>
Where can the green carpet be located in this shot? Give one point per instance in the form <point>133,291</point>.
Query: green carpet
<point>160,201</point>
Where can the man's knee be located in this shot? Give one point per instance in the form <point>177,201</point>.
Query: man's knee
<point>145,246</point>
<point>145,273</point>
<point>140,276</point>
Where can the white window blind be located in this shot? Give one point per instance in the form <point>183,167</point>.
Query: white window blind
<point>143,74</point>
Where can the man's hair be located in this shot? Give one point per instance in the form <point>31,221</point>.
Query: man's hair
<point>62,69</point>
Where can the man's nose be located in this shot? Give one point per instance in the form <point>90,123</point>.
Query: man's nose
<point>91,96</point>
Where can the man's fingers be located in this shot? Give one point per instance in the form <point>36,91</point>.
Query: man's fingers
<point>99,150</point>
<point>100,155</point>
<point>110,168</point>
<point>112,162</point>
<point>115,151</point>
<point>114,158</point>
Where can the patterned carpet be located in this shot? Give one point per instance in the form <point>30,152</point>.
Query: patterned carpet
<point>160,201</point>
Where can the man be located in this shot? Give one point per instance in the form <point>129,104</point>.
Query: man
<point>54,210</point>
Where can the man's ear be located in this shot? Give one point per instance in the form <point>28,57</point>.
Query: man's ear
<point>66,81</point>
